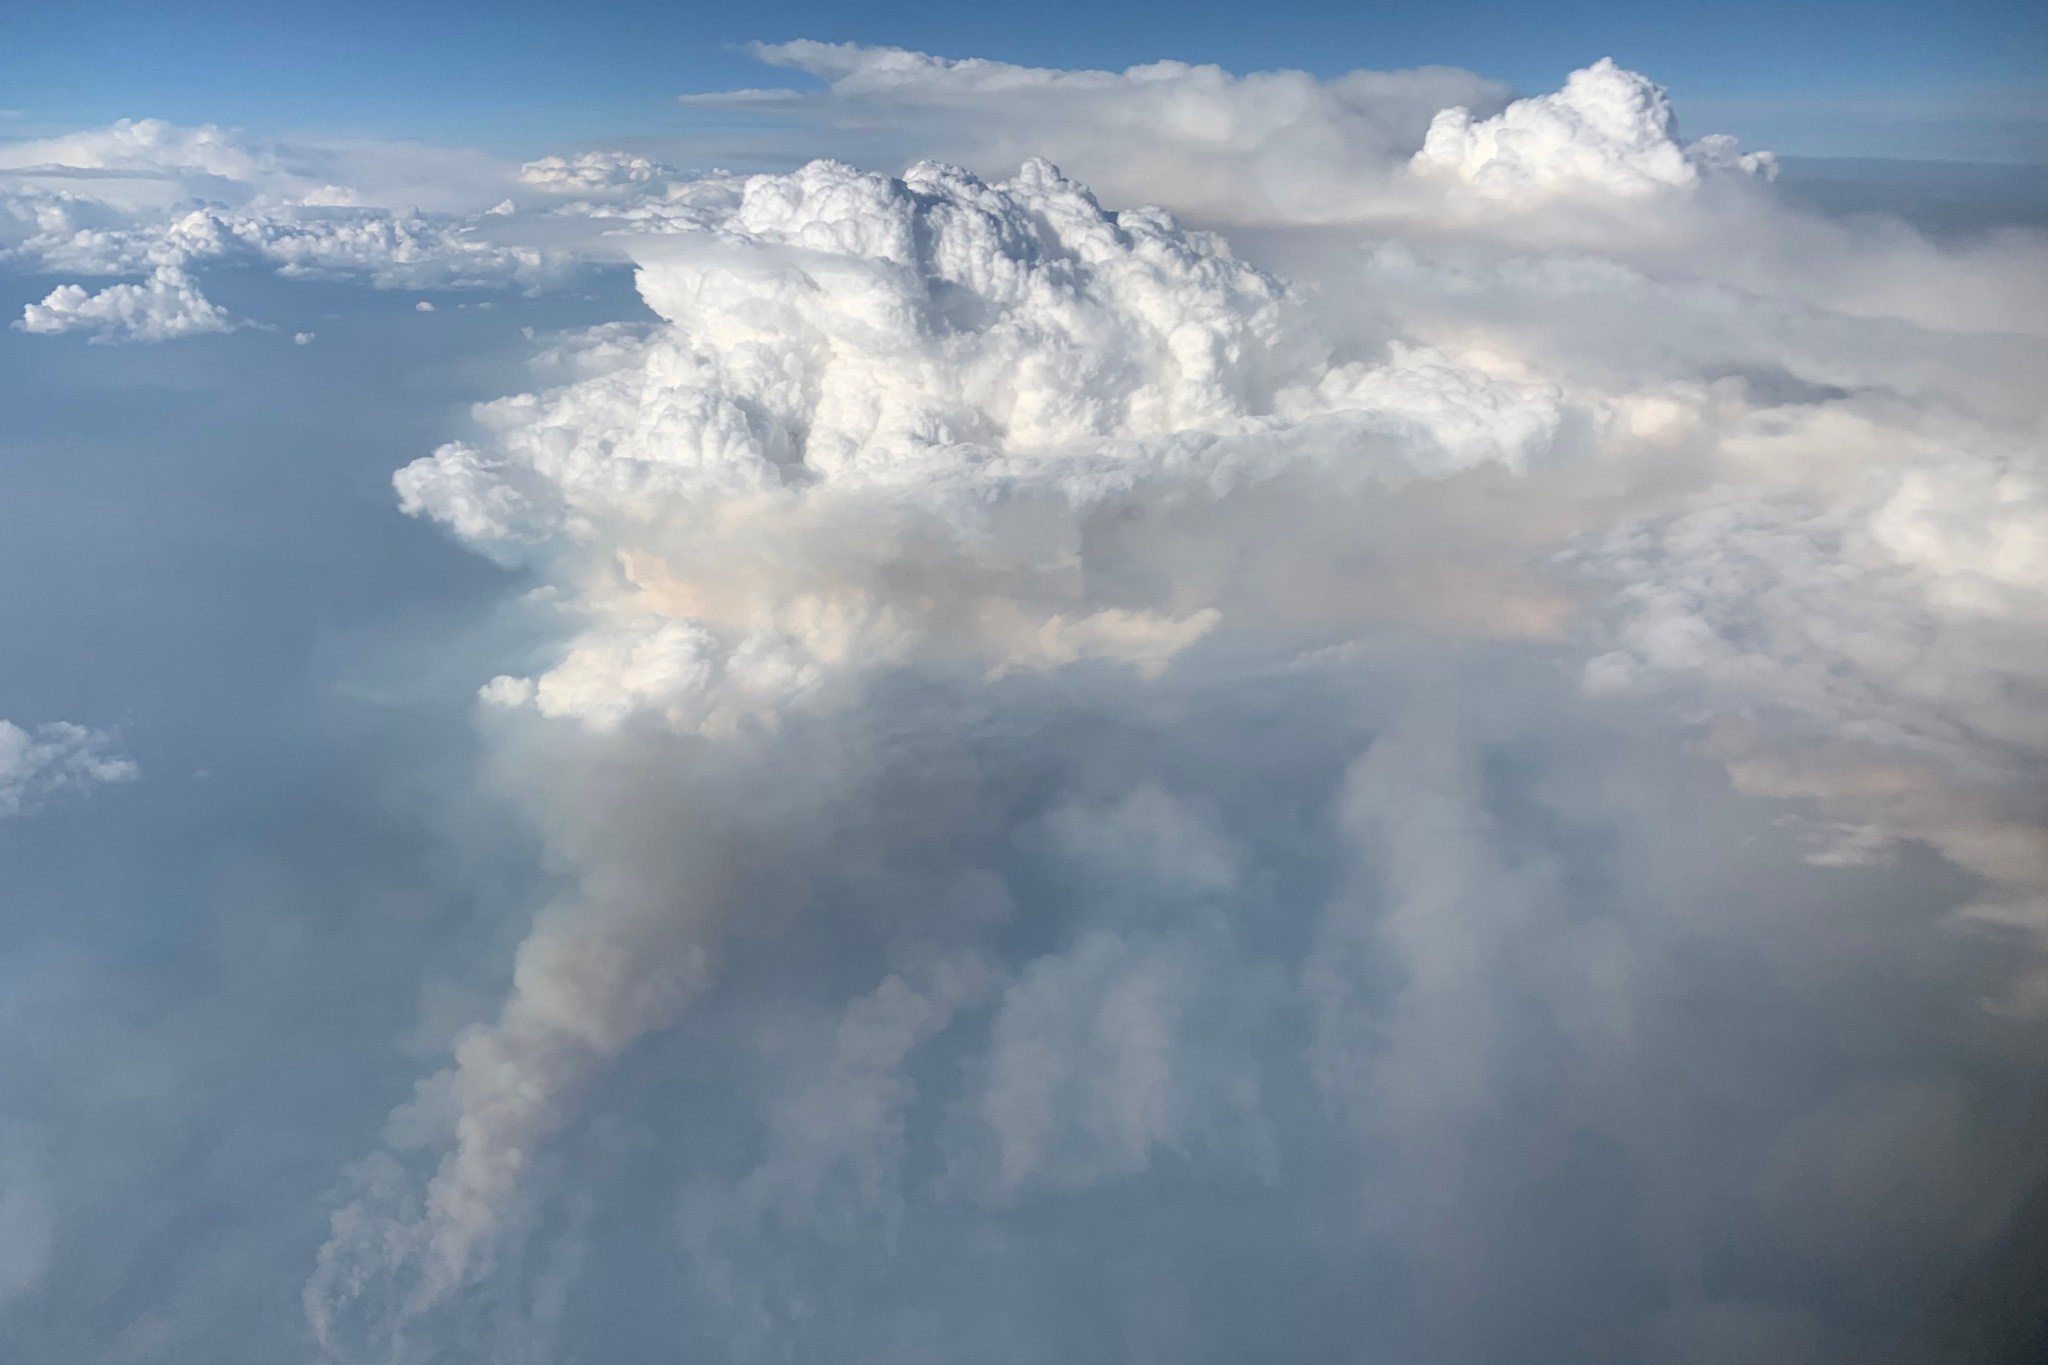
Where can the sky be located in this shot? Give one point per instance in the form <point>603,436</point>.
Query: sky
<point>948,687</point>
<point>1901,78</point>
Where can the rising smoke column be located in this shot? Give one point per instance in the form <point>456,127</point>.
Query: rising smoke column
<point>1039,458</point>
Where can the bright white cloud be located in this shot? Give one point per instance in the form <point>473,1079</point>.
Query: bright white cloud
<point>594,173</point>
<point>54,759</point>
<point>166,306</point>
<point>871,360</point>
<point>1608,130</point>
<point>119,201</point>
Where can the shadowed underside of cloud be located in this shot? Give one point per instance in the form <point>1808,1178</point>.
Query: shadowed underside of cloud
<point>1453,776</point>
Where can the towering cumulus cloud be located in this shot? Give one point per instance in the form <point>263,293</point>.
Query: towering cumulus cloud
<point>1113,801</point>
<point>1608,128</point>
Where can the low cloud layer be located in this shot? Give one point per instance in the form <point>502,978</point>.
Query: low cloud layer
<point>1443,767</point>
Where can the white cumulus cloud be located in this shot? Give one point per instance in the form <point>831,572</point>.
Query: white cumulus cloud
<point>53,759</point>
<point>593,173</point>
<point>166,306</point>
<point>1608,130</point>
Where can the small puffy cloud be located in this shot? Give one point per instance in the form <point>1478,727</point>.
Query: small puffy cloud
<point>423,306</point>
<point>1609,131</point>
<point>302,338</point>
<point>594,173</point>
<point>165,307</point>
<point>54,759</point>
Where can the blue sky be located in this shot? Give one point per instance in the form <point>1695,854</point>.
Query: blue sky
<point>1918,79</point>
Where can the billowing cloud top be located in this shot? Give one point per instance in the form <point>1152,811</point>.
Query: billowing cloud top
<point>1608,129</point>
<point>856,364</point>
